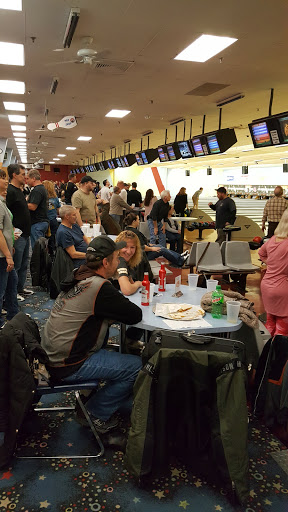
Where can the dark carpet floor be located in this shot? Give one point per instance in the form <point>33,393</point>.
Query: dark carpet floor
<point>80,485</point>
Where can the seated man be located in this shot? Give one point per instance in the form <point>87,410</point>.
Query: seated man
<point>69,236</point>
<point>77,330</point>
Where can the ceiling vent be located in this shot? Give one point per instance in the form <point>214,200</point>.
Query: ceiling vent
<point>206,89</point>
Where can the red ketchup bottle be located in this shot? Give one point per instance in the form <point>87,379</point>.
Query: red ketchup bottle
<point>162,279</point>
<point>145,292</point>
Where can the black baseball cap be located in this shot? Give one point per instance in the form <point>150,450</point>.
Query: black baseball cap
<point>222,190</point>
<point>86,179</point>
<point>102,246</point>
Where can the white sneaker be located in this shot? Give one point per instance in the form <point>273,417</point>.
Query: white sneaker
<point>27,292</point>
<point>20,298</point>
<point>4,312</point>
<point>185,253</point>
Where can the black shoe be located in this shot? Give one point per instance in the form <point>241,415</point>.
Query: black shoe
<point>105,426</point>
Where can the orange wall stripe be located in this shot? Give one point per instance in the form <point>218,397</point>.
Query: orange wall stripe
<point>157,179</point>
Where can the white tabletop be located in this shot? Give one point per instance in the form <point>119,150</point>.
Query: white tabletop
<point>150,321</point>
<point>183,219</point>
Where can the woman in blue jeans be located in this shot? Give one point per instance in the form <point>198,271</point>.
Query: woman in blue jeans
<point>8,275</point>
<point>52,211</point>
<point>154,251</point>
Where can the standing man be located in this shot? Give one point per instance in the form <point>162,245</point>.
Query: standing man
<point>195,197</point>
<point>18,206</point>
<point>273,211</point>
<point>77,331</point>
<point>157,217</point>
<point>134,196</point>
<point>225,213</point>
<point>71,187</point>
<point>85,202</point>
<point>8,275</point>
<point>117,205</point>
<point>38,205</point>
<point>105,193</point>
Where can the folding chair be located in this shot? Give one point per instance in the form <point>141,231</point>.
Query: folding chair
<point>48,390</point>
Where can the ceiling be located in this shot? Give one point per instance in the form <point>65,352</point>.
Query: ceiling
<point>150,33</point>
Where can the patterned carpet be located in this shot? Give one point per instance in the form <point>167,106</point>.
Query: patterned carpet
<point>80,485</point>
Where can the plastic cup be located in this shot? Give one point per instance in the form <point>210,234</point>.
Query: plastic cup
<point>211,285</point>
<point>233,308</point>
<point>17,232</point>
<point>152,290</point>
<point>133,205</point>
<point>96,230</point>
<point>192,281</point>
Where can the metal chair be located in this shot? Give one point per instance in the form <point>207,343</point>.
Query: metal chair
<point>144,229</point>
<point>237,256</point>
<point>76,388</point>
<point>212,259</point>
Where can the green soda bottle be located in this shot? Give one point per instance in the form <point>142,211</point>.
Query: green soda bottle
<point>217,302</point>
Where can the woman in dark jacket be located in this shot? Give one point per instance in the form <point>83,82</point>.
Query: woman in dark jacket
<point>180,201</point>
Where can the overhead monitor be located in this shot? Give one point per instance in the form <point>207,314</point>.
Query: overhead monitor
<point>200,146</point>
<point>173,151</point>
<point>283,123</point>
<point>260,135</point>
<point>185,149</point>
<point>146,157</point>
<point>111,164</point>
<point>128,160</point>
<point>163,154</point>
<point>220,140</point>
<point>213,144</point>
<point>118,162</point>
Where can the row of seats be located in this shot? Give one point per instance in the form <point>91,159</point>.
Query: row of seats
<point>231,256</point>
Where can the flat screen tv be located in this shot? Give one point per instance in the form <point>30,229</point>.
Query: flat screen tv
<point>173,151</point>
<point>103,166</point>
<point>118,161</point>
<point>260,135</point>
<point>283,123</point>
<point>185,149</point>
<point>146,157</point>
<point>220,140</point>
<point>200,146</point>
<point>163,154</point>
<point>129,159</point>
<point>269,131</point>
<point>111,164</point>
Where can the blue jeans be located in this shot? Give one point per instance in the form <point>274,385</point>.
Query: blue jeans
<point>37,230</point>
<point>8,290</point>
<point>116,217</point>
<point>120,372</point>
<point>174,239</point>
<point>174,257</point>
<point>21,259</point>
<point>161,235</point>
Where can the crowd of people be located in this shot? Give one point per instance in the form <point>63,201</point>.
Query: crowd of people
<point>107,272</point>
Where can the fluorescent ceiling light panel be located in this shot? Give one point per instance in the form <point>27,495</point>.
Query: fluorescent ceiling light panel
<point>12,87</point>
<point>205,47</point>
<point>84,138</point>
<point>11,5</point>
<point>51,162</point>
<point>19,135</point>
<point>17,119</point>
<point>14,105</point>
<point>18,127</point>
<point>61,155</point>
<point>12,54</point>
<point>118,113</point>
<point>71,148</point>
<point>56,159</point>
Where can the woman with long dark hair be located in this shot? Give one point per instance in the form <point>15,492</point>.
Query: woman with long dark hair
<point>148,202</point>
<point>180,201</point>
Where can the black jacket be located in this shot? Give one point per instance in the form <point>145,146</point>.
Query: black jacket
<point>62,267</point>
<point>40,264</point>
<point>19,341</point>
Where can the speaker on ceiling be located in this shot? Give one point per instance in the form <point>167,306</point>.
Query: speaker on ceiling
<point>244,169</point>
<point>285,167</point>
<point>187,172</point>
<point>209,171</point>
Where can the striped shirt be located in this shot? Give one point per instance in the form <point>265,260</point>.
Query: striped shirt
<point>274,209</point>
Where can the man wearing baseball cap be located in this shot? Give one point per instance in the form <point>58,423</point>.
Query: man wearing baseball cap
<point>85,202</point>
<point>77,331</point>
<point>225,212</point>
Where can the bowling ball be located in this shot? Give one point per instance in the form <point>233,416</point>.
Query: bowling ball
<point>205,224</point>
<point>257,239</point>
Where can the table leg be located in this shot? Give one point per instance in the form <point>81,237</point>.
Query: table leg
<point>200,234</point>
<point>182,236</point>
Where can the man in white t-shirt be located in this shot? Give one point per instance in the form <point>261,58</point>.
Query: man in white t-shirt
<point>105,193</point>
<point>123,191</point>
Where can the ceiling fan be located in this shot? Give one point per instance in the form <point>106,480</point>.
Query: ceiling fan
<point>96,60</point>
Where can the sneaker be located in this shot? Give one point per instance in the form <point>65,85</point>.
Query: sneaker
<point>25,291</point>
<point>185,253</point>
<point>4,312</point>
<point>20,298</point>
<point>105,426</point>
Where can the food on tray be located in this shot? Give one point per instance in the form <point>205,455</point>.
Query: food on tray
<point>179,311</point>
